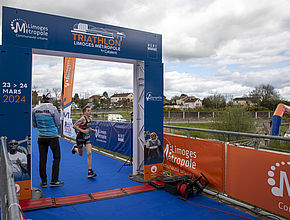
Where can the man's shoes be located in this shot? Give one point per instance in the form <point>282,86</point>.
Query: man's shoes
<point>57,183</point>
<point>91,174</point>
<point>73,149</point>
<point>43,184</point>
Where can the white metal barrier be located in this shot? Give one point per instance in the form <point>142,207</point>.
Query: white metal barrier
<point>10,208</point>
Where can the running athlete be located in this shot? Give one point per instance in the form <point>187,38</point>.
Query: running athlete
<point>83,138</point>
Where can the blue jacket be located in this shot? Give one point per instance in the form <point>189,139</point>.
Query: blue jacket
<point>45,118</point>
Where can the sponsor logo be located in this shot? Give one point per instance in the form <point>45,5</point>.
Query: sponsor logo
<point>152,47</point>
<point>17,187</point>
<point>181,157</point>
<point>66,114</point>
<point>107,40</point>
<point>101,135</point>
<point>121,137</point>
<point>150,97</point>
<point>281,188</point>
<point>23,29</point>
<point>68,76</point>
<point>279,191</point>
<point>154,169</point>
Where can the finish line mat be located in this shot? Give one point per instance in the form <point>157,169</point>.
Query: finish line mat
<point>50,202</point>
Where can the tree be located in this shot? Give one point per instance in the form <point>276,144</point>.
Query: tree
<point>173,100</point>
<point>82,103</point>
<point>35,98</point>
<point>214,101</point>
<point>96,103</point>
<point>76,98</point>
<point>265,95</point>
<point>56,92</point>
<point>105,103</point>
<point>56,101</point>
<point>105,94</point>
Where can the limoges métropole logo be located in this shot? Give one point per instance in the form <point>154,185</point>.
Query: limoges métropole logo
<point>107,40</point>
<point>278,172</point>
<point>23,29</point>
<point>150,97</point>
<point>154,169</point>
<point>101,135</point>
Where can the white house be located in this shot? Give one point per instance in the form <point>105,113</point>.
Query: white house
<point>192,103</point>
<point>122,96</point>
<point>189,102</point>
<point>243,101</point>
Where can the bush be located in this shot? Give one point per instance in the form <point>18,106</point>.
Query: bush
<point>234,119</point>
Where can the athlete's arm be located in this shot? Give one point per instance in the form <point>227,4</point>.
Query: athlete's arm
<point>80,122</point>
<point>92,130</point>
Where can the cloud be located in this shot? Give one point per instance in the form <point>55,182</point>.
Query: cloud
<point>244,43</point>
<point>201,86</point>
<point>91,77</point>
<point>46,72</point>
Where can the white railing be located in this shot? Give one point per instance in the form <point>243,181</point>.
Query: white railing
<point>10,208</point>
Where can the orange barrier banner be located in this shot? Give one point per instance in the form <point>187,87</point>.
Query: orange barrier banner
<point>260,178</point>
<point>186,156</point>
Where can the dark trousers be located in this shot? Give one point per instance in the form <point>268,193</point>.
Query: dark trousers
<point>43,144</point>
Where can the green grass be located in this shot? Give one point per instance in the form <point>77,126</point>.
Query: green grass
<point>196,134</point>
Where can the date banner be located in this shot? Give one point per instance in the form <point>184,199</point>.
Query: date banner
<point>15,113</point>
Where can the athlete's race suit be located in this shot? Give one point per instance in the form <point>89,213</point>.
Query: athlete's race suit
<point>45,118</point>
<point>83,139</point>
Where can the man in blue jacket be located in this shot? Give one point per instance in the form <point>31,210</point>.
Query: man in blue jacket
<point>45,118</point>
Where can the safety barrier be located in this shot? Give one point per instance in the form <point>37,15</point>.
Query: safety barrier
<point>196,115</point>
<point>256,176</point>
<point>10,208</point>
<point>112,136</point>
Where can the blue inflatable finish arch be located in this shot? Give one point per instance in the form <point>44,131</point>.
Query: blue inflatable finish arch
<point>26,33</point>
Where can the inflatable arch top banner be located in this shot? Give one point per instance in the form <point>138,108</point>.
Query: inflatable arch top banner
<point>49,32</point>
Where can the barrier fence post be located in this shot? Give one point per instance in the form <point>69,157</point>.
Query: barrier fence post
<point>188,133</point>
<point>226,164</point>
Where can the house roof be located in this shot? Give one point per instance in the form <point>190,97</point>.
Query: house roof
<point>190,99</point>
<point>243,99</point>
<point>96,97</point>
<point>121,95</point>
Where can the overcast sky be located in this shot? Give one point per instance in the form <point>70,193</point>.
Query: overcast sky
<point>209,46</point>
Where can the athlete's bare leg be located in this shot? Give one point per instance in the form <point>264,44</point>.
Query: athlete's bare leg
<point>79,151</point>
<point>89,155</point>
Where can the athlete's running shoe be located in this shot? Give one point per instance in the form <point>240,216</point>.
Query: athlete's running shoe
<point>73,149</point>
<point>91,174</point>
<point>43,184</point>
<point>57,183</point>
